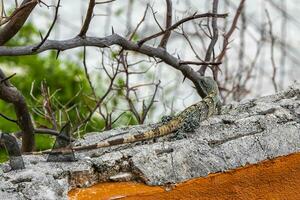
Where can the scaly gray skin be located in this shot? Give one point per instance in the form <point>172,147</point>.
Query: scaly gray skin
<point>187,120</point>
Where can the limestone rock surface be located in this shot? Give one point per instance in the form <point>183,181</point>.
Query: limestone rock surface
<point>244,133</point>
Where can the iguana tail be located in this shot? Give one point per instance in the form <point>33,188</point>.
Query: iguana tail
<point>162,130</point>
<point>207,105</point>
<point>159,131</point>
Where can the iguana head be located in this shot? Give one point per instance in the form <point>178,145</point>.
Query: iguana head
<point>208,85</point>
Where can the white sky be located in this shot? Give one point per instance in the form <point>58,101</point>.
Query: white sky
<point>72,12</point>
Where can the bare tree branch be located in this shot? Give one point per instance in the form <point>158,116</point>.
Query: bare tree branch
<point>98,102</point>
<point>199,63</point>
<point>104,2</point>
<point>18,9</point>
<point>272,51</point>
<point>114,39</point>
<point>88,18</point>
<point>165,38</point>
<point>214,38</point>
<point>139,24</point>
<point>231,30</point>
<point>10,94</point>
<point>155,19</point>
<point>47,105</point>
<point>7,78</point>
<point>47,132</point>
<point>87,73</point>
<point>16,21</point>
<point>146,109</point>
<point>50,29</point>
<point>174,26</point>
<point>8,119</point>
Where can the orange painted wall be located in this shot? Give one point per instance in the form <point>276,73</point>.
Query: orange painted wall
<point>273,179</point>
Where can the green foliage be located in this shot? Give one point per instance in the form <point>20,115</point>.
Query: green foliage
<point>63,77</point>
<point>114,54</point>
<point>67,87</point>
<point>43,142</point>
<point>3,155</point>
<point>119,11</point>
<point>135,38</point>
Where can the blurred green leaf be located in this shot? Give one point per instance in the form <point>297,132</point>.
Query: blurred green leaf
<point>119,11</point>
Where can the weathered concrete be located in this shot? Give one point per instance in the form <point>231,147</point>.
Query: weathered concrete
<point>245,133</point>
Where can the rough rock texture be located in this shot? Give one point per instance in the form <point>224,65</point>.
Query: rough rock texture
<point>245,133</point>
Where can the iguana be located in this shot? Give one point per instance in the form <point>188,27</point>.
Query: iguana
<point>187,120</point>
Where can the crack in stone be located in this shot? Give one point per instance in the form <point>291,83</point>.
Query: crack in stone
<point>266,112</point>
<point>164,151</point>
<point>21,180</point>
<point>173,169</point>
<point>215,143</point>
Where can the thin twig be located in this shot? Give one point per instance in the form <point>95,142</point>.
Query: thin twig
<point>174,26</point>
<point>199,63</point>
<point>231,30</point>
<point>47,131</point>
<point>272,51</point>
<point>214,39</point>
<point>154,17</point>
<point>47,105</point>
<point>191,45</point>
<point>50,29</point>
<point>9,119</point>
<point>54,133</point>
<point>7,78</point>
<point>146,109</point>
<point>99,102</point>
<point>87,74</point>
<point>104,2</point>
<point>140,23</point>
